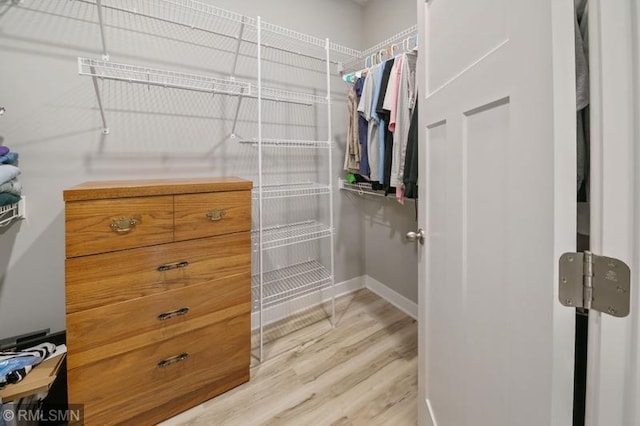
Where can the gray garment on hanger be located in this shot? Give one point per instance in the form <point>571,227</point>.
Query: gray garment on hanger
<point>582,88</point>
<point>582,53</point>
<point>582,108</point>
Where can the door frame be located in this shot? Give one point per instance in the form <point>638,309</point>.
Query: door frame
<point>613,355</point>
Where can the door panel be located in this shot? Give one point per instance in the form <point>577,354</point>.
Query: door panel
<point>444,377</point>
<point>463,41</point>
<point>484,282</point>
<point>496,346</point>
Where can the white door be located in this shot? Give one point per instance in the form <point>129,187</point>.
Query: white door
<point>613,376</point>
<point>497,115</point>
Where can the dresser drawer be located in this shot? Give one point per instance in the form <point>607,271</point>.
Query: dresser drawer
<point>97,280</point>
<point>213,358</point>
<point>171,312</point>
<point>217,213</point>
<point>99,226</point>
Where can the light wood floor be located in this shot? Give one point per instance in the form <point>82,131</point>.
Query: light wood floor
<point>363,372</point>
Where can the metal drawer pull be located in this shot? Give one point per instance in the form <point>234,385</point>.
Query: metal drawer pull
<point>124,224</point>
<point>178,313</point>
<point>216,214</point>
<point>163,268</point>
<point>178,358</point>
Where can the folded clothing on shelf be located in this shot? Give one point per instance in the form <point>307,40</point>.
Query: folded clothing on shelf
<point>9,158</point>
<point>12,187</point>
<point>8,172</point>
<point>14,366</point>
<point>4,150</point>
<point>7,198</point>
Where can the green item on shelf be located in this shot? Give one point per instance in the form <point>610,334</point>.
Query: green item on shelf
<point>350,178</point>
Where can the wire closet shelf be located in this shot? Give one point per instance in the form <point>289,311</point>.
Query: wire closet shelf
<point>289,234</point>
<point>220,22</point>
<point>108,70</point>
<point>401,42</point>
<point>287,143</point>
<point>290,190</point>
<point>9,213</point>
<point>290,283</point>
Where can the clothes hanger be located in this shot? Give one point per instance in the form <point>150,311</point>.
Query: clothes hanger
<point>392,48</point>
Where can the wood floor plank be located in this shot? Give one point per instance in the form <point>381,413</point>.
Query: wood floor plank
<point>362,372</point>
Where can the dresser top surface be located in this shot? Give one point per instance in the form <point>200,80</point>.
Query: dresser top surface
<point>149,187</point>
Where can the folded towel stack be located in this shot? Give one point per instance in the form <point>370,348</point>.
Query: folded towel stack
<point>10,187</point>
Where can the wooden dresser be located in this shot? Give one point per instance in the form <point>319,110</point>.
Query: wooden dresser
<point>158,295</point>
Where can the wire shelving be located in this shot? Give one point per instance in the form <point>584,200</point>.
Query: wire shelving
<point>11,212</point>
<point>277,236</point>
<point>290,282</point>
<point>287,143</point>
<point>289,190</point>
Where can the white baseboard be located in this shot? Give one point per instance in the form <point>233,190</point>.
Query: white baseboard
<point>305,302</point>
<point>396,299</point>
<point>431,418</point>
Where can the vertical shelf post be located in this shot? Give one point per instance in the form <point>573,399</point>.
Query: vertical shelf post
<point>329,139</point>
<point>96,87</point>
<point>105,52</point>
<point>260,186</point>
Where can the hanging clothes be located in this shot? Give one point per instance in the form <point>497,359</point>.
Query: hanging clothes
<point>363,126</point>
<point>391,98</point>
<point>410,179</point>
<point>365,107</point>
<point>379,177</point>
<point>404,108</point>
<point>386,137</point>
<point>352,152</point>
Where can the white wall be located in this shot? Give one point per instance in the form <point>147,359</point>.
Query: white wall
<point>384,18</point>
<point>389,258</point>
<point>52,120</point>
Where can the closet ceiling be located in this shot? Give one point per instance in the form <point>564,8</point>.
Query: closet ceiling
<point>361,2</point>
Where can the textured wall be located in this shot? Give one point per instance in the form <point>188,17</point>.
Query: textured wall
<point>53,121</point>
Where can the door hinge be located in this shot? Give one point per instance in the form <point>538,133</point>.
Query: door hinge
<point>595,282</point>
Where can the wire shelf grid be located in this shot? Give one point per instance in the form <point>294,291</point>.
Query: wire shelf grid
<point>357,62</point>
<point>158,77</point>
<point>289,283</point>
<point>222,22</point>
<point>274,94</point>
<point>291,190</point>
<point>8,213</point>
<point>286,235</point>
<point>362,188</point>
<point>308,39</point>
<point>287,143</point>
<point>180,80</point>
